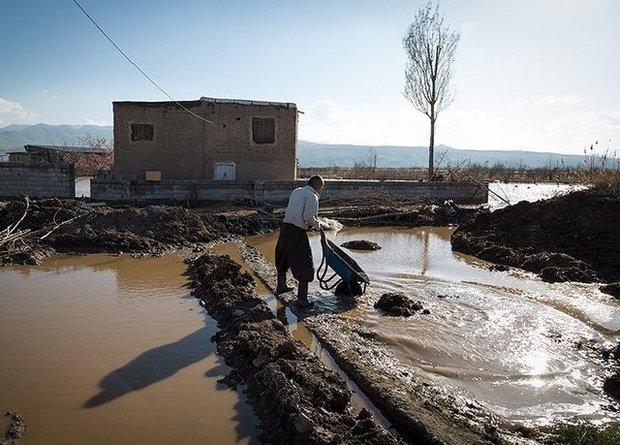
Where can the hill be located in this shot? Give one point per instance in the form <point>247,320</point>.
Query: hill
<point>14,137</point>
<point>310,154</point>
<point>328,155</point>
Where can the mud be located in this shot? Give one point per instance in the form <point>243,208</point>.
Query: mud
<point>398,305</point>
<point>361,245</point>
<point>298,400</point>
<point>390,212</point>
<point>421,413</point>
<point>569,238</point>
<point>15,431</point>
<point>612,289</point>
<point>155,230</point>
<point>149,230</point>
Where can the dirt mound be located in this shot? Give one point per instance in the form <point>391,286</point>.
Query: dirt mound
<point>15,431</point>
<point>399,213</point>
<point>398,305</point>
<point>298,400</point>
<point>572,237</point>
<point>361,245</point>
<point>612,289</point>
<point>151,229</point>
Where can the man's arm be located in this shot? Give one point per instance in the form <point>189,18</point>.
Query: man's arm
<point>311,208</point>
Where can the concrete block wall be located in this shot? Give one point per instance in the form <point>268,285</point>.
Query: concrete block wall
<point>112,187</point>
<point>40,180</point>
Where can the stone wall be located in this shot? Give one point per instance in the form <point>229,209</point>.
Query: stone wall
<point>37,180</point>
<point>182,146</point>
<point>111,187</point>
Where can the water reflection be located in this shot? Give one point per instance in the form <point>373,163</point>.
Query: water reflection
<point>506,339</point>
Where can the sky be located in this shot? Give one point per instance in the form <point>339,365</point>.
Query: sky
<point>541,75</point>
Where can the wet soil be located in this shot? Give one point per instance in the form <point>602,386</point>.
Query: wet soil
<point>16,429</point>
<point>296,397</point>
<point>421,413</point>
<point>398,305</point>
<point>574,237</point>
<point>158,229</point>
<point>298,400</point>
<point>147,230</point>
<point>361,245</point>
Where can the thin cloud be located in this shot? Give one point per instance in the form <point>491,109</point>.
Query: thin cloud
<point>14,113</point>
<point>95,122</point>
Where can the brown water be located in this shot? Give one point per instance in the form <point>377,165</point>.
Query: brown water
<point>505,339</point>
<point>100,349</point>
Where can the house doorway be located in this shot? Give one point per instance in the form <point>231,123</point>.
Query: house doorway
<point>225,171</point>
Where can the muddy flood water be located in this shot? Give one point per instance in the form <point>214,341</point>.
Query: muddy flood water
<point>515,344</point>
<point>101,349</point>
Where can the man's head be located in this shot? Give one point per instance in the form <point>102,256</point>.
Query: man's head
<point>316,182</point>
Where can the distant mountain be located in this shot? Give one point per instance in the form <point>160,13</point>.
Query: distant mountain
<point>310,154</point>
<point>14,137</point>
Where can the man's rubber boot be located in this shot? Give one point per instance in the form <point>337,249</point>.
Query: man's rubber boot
<point>282,287</point>
<point>302,295</point>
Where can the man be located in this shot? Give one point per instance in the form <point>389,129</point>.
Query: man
<point>293,247</point>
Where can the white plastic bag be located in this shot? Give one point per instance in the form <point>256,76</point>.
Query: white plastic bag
<point>330,224</point>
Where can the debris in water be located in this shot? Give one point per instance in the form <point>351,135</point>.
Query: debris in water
<point>361,245</point>
<point>398,305</point>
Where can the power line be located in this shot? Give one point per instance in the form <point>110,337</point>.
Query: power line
<point>137,67</point>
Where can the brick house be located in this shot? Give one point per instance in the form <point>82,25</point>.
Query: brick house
<point>246,140</point>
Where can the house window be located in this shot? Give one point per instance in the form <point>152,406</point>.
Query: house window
<point>141,132</point>
<point>263,130</point>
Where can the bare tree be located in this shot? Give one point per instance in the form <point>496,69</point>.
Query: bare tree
<point>431,50</point>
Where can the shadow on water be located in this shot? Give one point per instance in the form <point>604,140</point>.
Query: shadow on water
<point>153,366</point>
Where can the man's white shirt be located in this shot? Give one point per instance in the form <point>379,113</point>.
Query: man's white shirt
<point>303,207</point>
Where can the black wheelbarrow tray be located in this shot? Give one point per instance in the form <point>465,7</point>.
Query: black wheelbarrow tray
<point>347,273</point>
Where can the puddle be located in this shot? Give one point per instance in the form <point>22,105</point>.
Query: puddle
<point>100,349</point>
<point>505,339</point>
<point>502,194</point>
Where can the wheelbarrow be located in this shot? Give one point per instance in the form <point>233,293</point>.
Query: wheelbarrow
<point>348,277</point>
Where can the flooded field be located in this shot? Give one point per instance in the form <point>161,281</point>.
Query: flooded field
<point>503,193</point>
<point>100,349</point>
<point>515,344</point>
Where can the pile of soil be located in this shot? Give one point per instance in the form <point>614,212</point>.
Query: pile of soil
<point>15,431</point>
<point>151,229</point>
<point>361,245</point>
<point>156,229</point>
<point>574,237</point>
<point>398,305</point>
<point>390,212</point>
<point>298,400</point>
